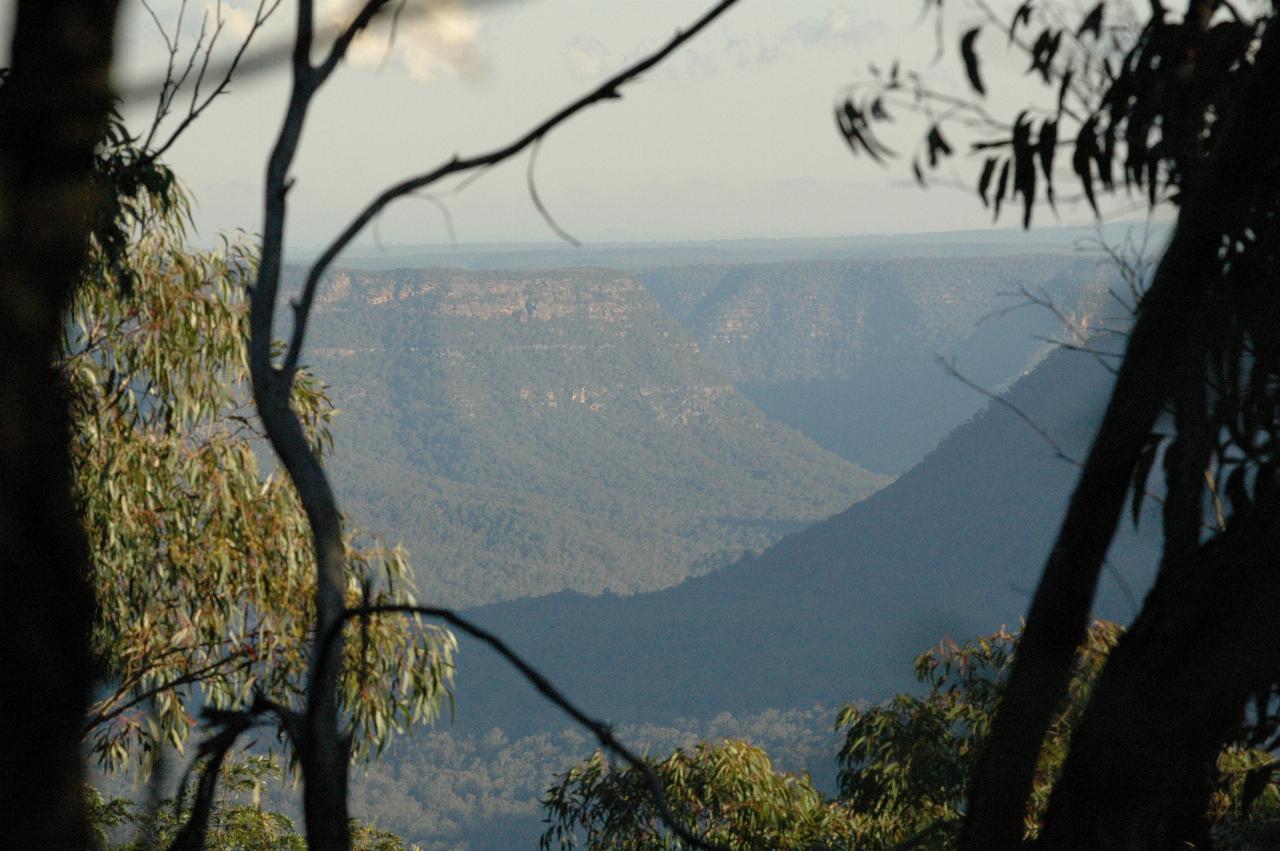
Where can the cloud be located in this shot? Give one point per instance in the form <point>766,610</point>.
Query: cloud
<point>588,57</point>
<point>432,38</point>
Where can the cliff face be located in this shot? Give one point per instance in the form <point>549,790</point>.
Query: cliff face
<point>846,351</point>
<point>480,295</point>
<point>772,323</point>
<point>528,433</point>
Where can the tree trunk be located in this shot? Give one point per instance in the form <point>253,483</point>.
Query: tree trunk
<point>1241,166</point>
<point>53,111</point>
<point>1142,760</point>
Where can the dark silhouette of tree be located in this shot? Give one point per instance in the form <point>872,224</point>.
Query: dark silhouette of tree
<point>54,106</point>
<point>1184,112</point>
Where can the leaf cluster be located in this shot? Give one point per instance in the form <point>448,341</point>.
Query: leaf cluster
<point>903,770</point>
<point>239,818</point>
<point>1138,103</point>
<point>201,558</point>
<point>727,793</point>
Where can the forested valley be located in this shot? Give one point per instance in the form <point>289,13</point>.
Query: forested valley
<point>957,539</point>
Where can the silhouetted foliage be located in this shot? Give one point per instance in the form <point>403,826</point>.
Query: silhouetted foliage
<point>1181,111</point>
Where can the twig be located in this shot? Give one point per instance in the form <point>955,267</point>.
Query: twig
<point>602,731</point>
<point>537,201</point>
<point>950,368</point>
<point>608,90</point>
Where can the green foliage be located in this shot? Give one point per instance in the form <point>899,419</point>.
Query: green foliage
<point>238,821</point>
<point>729,793</point>
<point>905,763</point>
<point>903,771</point>
<point>202,562</point>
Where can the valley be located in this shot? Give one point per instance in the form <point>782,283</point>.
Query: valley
<point>673,490</point>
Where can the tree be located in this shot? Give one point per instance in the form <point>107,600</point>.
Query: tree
<point>729,791</point>
<point>199,561</point>
<point>316,731</point>
<point>904,769</point>
<point>1183,110</point>
<point>237,820</point>
<point>54,105</point>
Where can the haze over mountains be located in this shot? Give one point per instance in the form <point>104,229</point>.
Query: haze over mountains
<point>530,432</point>
<point>846,350</point>
<point>834,612</point>
<point>666,486</point>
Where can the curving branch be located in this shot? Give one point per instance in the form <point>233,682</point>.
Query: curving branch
<point>324,754</point>
<point>608,90</point>
<point>599,729</point>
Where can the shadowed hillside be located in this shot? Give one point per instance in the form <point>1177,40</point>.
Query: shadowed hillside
<point>831,613</point>
<point>846,350</point>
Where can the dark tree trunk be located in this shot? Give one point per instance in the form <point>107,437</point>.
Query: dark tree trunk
<point>1142,760</point>
<point>1242,167</point>
<point>53,111</point>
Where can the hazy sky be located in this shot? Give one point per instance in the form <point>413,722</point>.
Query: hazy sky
<point>733,137</point>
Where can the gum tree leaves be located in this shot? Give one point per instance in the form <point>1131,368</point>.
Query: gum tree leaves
<point>970,57</point>
<point>1046,148</point>
<point>1143,101</point>
<point>1092,22</point>
<point>1043,52</point>
<point>1024,166</point>
<point>984,180</point>
<point>856,129</point>
<point>202,564</point>
<point>1021,17</point>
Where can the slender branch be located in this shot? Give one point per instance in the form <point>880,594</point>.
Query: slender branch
<point>324,756</point>
<point>363,18</point>
<point>608,90</point>
<point>950,368</point>
<point>214,751</point>
<point>198,106</point>
<point>110,709</point>
<point>537,200</point>
<point>602,731</point>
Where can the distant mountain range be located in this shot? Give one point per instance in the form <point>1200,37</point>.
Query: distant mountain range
<point>564,433</point>
<point>524,433</point>
<point>632,255</point>
<point>846,350</point>
<point>835,612</point>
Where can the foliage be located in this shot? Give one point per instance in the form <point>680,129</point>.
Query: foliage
<point>903,771</point>
<point>201,563</point>
<point>238,819</point>
<point>728,793</point>
<point>1137,103</point>
<point>905,764</point>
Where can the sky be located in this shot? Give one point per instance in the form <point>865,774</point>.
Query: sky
<point>732,137</point>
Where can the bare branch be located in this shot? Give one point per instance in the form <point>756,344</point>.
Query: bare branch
<point>950,368</point>
<point>363,18</point>
<point>602,731</point>
<point>608,90</point>
<point>213,751</point>
<point>266,8</point>
<point>537,201</point>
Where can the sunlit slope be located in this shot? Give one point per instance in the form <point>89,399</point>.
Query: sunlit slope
<point>831,613</point>
<point>524,433</point>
